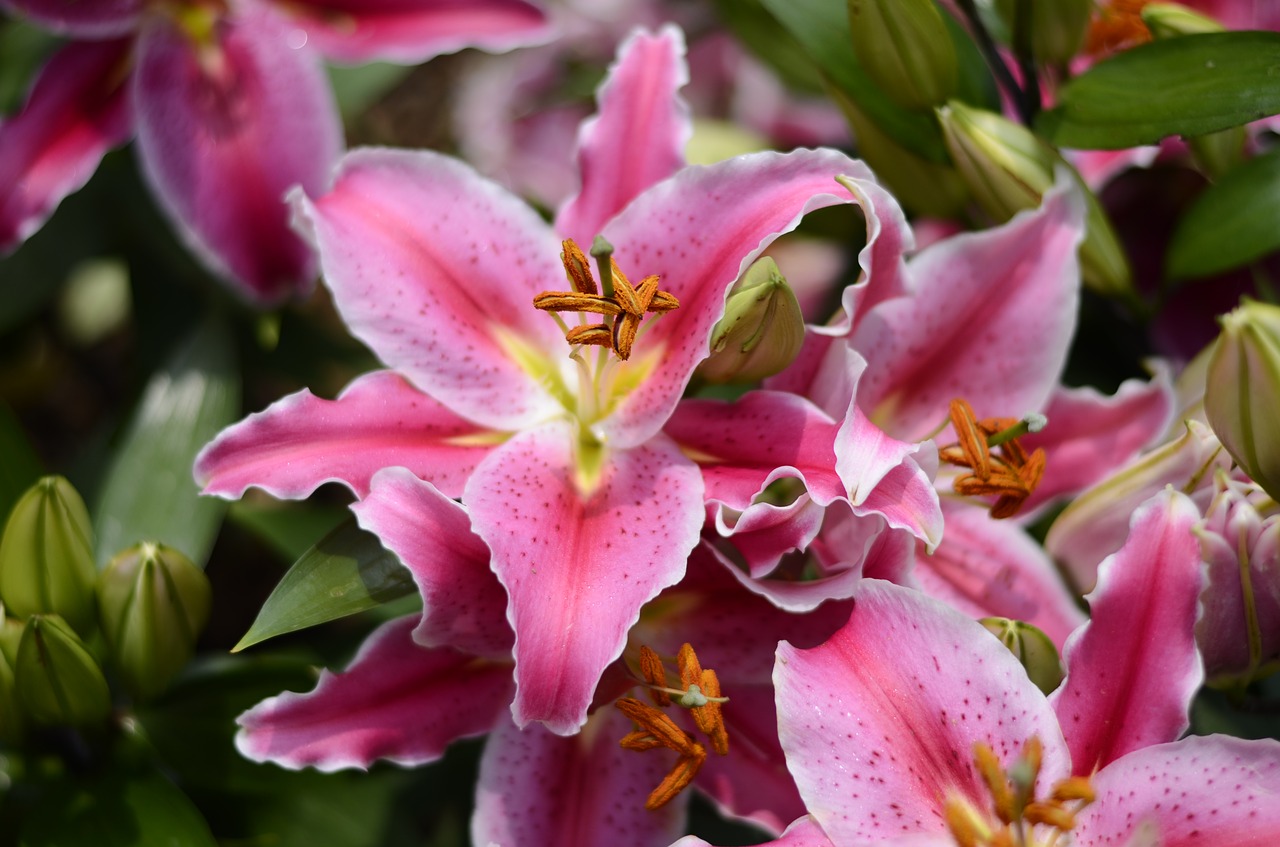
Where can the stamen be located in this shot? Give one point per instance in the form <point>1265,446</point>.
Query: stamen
<point>1074,788</point>
<point>997,783</point>
<point>639,740</point>
<point>654,674</point>
<point>657,724</point>
<point>708,716</point>
<point>1011,475</point>
<point>1049,814</point>
<point>972,443</point>
<point>576,268</point>
<point>561,301</point>
<point>677,780</point>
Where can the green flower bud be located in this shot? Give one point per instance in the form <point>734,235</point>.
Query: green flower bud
<point>1170,20</point>
<point>153,603</point>
<point>46,555</point>
<point>1242,391</point>
<point>58,681</point>
<point>1008,168</point>
<point>11,719</point>
<point>761,331</point>
<point>905,47</point>
<point>1032,648</point>
<point>1055,29</point>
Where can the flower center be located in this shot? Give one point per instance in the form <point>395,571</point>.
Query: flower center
<point>1011,474</point>
<point>621,307</point>
<point>1016,817</point>
<point>699,692</point>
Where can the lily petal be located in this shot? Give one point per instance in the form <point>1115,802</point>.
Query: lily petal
<point>435,269</point>
<point>396,701</point>
<point>577,568</point>
<point>990,321</point>
<point>1133,668</point>
<point>763,533</point>
<point>77,110</point>
<point>223,131</point>
<point>538,789</point>
<point>1089,435</point>
<point>87,19</point>
<point>870,761</point>
<point>1231,784</point>
<point>413,31</point>
<point>637,137</point>
<point>463,603</point>
<point>989,568</point>
<point>699,231</point>
<point>300,442</point>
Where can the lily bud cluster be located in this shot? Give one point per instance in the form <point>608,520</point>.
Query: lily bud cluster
<point>150,603</point>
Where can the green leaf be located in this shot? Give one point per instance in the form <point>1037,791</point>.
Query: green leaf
<point>358,87</point>
<point>149,493</point>
<point>1187,86</point>
<point>116,809</point>
<point>19,467</point>
<point>347,571</point>
<point>289,528</point>
<point>1232,223</point>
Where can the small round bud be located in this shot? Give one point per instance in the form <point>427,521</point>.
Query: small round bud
<point>153,603</point>
<point>1032,648</point>
<point>46,555</point>
<point>906,49</point>
<point>761,331</point>
<point>57,679</point>
<point>1242,391</point>
<point>1170,20</point>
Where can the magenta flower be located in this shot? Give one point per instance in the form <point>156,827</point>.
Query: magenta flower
<point>418,685</point>
<point>230,106</point>
<point>884,724</point>
<point>588,507</point>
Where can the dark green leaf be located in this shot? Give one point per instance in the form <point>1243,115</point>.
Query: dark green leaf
<point>116,810</point>
<point>19,467</point>
<point>347,571</point>
<point>1188,86</point>
<point>290,528</point>
<point>149,493</point>
<point>1232,223</point>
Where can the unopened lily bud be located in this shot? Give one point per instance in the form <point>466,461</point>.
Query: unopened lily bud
<point>1238,632</point>
<point>906,49</point>
<point>1169,20</point>
<point>1032,648</point>
<point>1056,28</point>
<point>761,331</point>
<point>153,603</point>
<point>58,680</point>
<point>1008,168</point>
<point>46,555</point>
<point>11,719</point>
<point>1242,391</point>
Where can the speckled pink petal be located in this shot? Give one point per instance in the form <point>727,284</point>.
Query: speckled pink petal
<point>396,701</point>
<point>738,447</point>
<point>800,597</point>
<point>1089,434</point>
<point>577,568</point>
<point>435,269</point>
<point>1133,669</point>
<point>803,832</point>
<point>636,138</point>
<point>412,31</point>
<point>1095,524</point>
<point>77,110</point>
<point>224,132</point>
<point>986,567</point>
<point>1212,791</point>
<point>300,442</point>
<point>463,606</point>
<point>88,19</point>
<point>699,231</point>
<point>733,630</point>
<point>751,783</point>
<point>763,533</point>
<point>879,723</point>
<point>990,320</point>
<point>538,789</point>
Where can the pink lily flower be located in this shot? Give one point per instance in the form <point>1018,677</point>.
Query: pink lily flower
<point>230,106</point>
<point>419,684</point>
<point>913,726</point>
<point>588,508</point>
